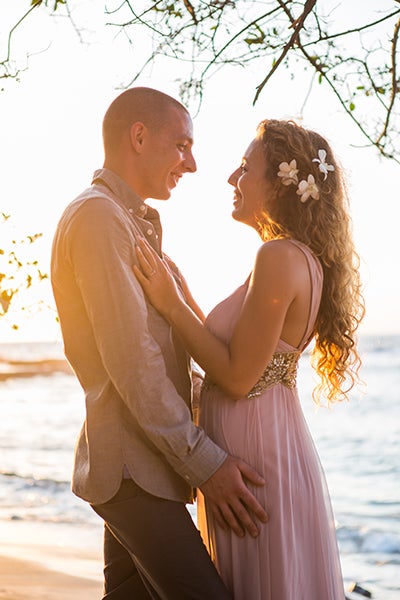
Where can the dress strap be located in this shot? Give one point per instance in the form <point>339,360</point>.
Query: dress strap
<point>316,277</point>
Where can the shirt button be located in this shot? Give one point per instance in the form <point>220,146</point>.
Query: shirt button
<point>149,231</point>
<point>130,210</point>
<point>142,208</point>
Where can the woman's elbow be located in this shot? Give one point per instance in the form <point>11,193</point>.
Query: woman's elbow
<point>236,389</point>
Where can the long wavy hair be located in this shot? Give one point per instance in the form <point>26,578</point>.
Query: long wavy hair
<point>324,225</point>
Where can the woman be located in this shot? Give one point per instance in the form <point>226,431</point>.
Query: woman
<point>305,285</point>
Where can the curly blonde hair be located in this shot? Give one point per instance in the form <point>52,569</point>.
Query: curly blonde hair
<point>324,225</point>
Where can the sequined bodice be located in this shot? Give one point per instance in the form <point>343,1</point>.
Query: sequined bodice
<point>281,369</point>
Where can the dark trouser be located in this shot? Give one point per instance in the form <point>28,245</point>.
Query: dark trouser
<point>152,550</point>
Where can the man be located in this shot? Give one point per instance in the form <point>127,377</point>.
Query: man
<point>139,454</point>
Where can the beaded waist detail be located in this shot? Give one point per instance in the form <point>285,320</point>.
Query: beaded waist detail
<point>281,369</point>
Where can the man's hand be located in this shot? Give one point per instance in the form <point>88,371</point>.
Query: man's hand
<point>231,502</point>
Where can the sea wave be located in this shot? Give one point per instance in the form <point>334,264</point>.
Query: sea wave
<point>41,500</point>
<point>380,343</point>
<point>34,482</point>
<point>30,368</point>
<point>362,540</point>
<point>49,500</point>
<point>29,359</point>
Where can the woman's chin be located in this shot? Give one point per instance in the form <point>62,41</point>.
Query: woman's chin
<point>236,213</point>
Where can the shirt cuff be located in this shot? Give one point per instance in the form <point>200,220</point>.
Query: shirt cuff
<point>206,461</point>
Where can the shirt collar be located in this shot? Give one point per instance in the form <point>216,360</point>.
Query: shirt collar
<point>123,192</point>
<point>126,196</point>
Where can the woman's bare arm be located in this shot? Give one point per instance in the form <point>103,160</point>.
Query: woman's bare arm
<point>235,367</point>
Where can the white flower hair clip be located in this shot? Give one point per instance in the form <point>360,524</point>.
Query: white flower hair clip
<point>308,188</point>
<point>305,188</point>
<point>288,172</point>
<point>323,165</point>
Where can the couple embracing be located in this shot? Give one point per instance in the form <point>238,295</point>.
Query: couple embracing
<point>131,329</point>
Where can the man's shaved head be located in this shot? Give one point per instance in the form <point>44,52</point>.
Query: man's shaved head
<point>149,106</point>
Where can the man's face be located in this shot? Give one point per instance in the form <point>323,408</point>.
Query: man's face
<point>167,156</point>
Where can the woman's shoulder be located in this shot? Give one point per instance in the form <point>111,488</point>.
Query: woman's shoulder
<point>283,259</point>
<point>281,248</point>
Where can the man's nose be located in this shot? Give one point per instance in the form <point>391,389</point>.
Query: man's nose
<point>190,163</point>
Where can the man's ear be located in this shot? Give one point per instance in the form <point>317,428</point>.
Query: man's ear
<point>138,133</point>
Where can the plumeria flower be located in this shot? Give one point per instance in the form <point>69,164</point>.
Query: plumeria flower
<point>288,172</point>
<point>308,188</point>
<point>323,166</point>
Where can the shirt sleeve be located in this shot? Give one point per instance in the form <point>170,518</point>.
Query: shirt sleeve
<point>100,250</point>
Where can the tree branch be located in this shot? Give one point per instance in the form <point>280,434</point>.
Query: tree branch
<point>235,37</point>
<point>355,30</point>
<point>12,31</point>
<point>395,84</point>
<point>191,11</point>
<point>348,111</point>
<point>319,67</point>
<point>297,24</point>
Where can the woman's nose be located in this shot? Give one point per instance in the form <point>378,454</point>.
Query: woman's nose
<point>233,177</point>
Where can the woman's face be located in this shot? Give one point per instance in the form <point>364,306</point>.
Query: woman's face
<point>251,186</point>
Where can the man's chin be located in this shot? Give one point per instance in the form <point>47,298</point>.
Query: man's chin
<point>163,196</point>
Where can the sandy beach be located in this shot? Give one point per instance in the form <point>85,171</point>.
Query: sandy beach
<point>50,562</point>
<point>23,580</point>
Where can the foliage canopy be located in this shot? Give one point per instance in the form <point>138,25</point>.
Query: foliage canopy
<point>356,61</point>
<point>18,271</point>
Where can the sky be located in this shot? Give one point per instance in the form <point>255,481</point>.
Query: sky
<point>50,144</point>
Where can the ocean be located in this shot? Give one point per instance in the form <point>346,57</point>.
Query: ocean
<point>358,442</point>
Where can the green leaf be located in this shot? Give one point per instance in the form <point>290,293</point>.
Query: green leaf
<point>254,40</point>
<point>352,106</point>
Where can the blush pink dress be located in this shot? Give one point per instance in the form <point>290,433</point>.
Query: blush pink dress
<point>295,557</point>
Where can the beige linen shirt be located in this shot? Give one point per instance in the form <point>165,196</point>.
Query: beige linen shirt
<point>133,369</point>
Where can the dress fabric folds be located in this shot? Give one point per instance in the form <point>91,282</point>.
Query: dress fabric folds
<point>295,556</point>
